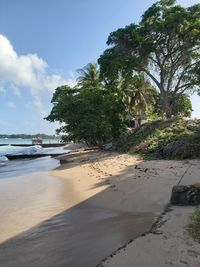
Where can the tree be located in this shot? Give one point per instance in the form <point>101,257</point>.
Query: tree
<point>138,95</point>
<point>88,115</point>
<point>89,76</point>
<point>165,46</point>
<point>182,109</point>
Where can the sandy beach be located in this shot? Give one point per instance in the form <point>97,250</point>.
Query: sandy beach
<point>108,199</point>
<point>168,245</point>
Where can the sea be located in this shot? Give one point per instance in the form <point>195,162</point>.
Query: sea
<point>29,193</point>
<point>7,148</point>
<point>17,141</point>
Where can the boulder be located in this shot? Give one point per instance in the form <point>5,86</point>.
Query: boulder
<point>173,149</point>
<point>63,161</point>
<point>186,195</point>
<point>181,150</point>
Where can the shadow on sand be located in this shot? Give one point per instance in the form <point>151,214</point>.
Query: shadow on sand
<point>82,235</point>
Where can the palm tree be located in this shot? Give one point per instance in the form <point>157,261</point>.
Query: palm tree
<point>138,94</point>
<point>89,76</point>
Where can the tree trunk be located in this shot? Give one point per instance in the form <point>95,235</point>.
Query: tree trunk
<point>166,106</point>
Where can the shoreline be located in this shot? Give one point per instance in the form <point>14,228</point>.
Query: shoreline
<point>109,199</point>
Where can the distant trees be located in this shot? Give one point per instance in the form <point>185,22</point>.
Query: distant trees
<point>28,136</point>
<point>165,46</point>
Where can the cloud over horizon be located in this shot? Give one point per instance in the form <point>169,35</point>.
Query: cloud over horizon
<point>27,71</point>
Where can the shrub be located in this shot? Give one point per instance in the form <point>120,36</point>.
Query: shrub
<point>194,226</point>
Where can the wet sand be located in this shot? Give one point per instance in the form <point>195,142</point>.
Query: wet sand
<point>28,195</point>
<point>88,208</point>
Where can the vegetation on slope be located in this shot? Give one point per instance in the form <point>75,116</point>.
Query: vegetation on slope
<point>194,226</point>
<point>168,139</point>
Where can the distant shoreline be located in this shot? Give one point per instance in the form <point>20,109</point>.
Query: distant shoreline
<point>42,145</point>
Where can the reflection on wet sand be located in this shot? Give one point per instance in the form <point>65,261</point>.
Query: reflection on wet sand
<point>28,195</point>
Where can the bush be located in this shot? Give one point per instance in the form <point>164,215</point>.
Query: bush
<point>194,226</point>
<point>169,139</point>
<point>89,115</point>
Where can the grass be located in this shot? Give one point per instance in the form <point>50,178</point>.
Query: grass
<point>194,226</point>
<point>151,138</point>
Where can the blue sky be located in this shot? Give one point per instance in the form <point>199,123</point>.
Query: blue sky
<point>44,42</point>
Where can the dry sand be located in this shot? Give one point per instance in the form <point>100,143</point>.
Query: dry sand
<point>109,199</point>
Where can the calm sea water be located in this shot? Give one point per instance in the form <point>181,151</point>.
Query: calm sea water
<point>7,148</point>
<point>9,141</point>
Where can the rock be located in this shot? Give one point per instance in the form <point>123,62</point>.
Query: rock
<point>186,195</point>
<point>108,146</point>
<point>181,150</point>
<point>172,149</point>
<point>63,161</point>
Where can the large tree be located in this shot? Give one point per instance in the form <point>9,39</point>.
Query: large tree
<point>165,46</point>
<point>88,115</point>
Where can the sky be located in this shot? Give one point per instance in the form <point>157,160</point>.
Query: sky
<point>44,42</point>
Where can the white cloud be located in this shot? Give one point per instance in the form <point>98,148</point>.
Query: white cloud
<point>39,106</point>
<point>27,71</point>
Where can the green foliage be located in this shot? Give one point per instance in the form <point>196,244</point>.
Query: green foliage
<point>194,226</point>
<point>138,95</point>
<point>183,107</point>
<point>89,76</point>
<point>165,46</point>
<point>88,115</point>
<point>152,137</point>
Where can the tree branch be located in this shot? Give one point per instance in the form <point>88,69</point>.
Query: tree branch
<point>153,78</point>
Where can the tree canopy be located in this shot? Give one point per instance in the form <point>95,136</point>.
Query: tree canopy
<point>182,109</point>
<point>88,115</point>
<point>89,76</point>
<point>165,46</point>
<point>138,95</point>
